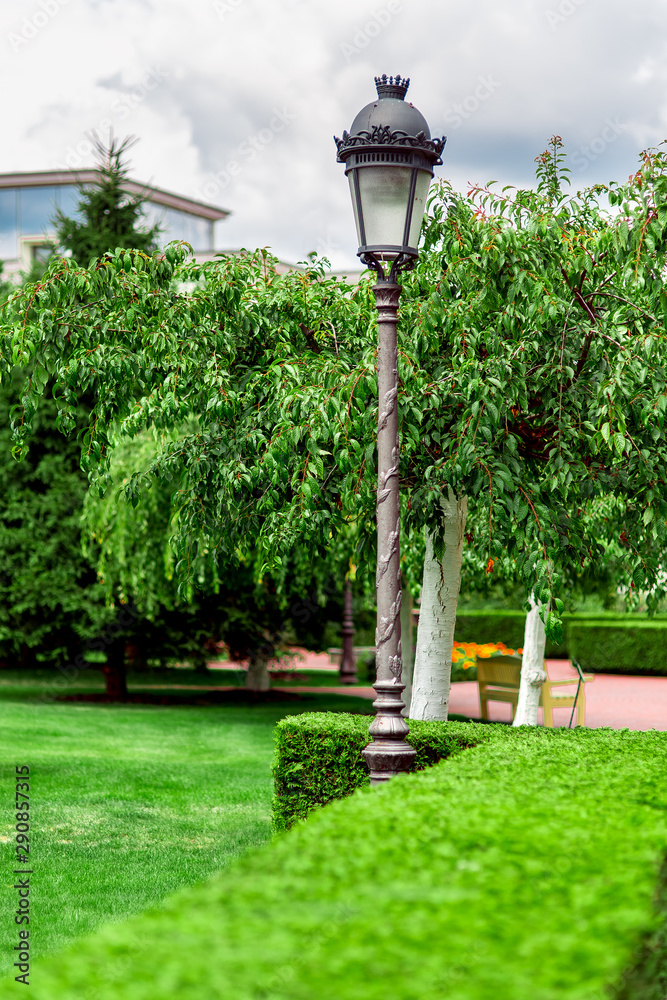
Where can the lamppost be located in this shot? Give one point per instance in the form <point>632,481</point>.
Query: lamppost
<point>348,661</point>
<point>389,157</point>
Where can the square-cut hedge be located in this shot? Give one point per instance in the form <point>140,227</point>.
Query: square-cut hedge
<point>604,644</point>
<point>614,648</point>
<point>525,868</point>
<point>318,757</point>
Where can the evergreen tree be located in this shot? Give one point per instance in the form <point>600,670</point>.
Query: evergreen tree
<point>109,216</point>
<point>6,287</point>
<point>52,608</point>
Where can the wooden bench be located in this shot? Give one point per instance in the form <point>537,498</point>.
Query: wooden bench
<point>498,678</point>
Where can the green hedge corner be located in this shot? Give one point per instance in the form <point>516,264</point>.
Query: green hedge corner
<point>318,757</point>
<point>527,867</point>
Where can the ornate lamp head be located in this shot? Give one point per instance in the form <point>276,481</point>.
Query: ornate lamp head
<point>389,157</point>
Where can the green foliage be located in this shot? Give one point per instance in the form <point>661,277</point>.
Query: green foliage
<point>525,866</point>
<point>51,604</point>
<point>491,626</point>
<point>318,757</point>
<point>131,544</point>
<point>532,379</point>
<point>636,647</point>
<point>108,216</point>
<point>603,644</point>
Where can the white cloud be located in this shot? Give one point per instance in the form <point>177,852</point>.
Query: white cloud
<point>219,73</point>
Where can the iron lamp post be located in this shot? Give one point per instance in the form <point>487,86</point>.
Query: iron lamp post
<point>389,157</point>
<point>348,661</point>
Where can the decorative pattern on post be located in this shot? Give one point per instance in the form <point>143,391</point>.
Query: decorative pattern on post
<point>348,663</point>
<point>389,157</point>
<point>389,752</point>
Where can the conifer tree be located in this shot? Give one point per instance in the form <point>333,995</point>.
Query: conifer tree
<point>109,216</point>
<point>52,605</point>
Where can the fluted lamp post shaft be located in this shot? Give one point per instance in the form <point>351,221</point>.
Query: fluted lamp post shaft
<point>389,157</point>
<point>389,752</point>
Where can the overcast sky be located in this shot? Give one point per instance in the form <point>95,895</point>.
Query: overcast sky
<point>265,84</point>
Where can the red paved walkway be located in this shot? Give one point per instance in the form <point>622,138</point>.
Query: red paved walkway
<point>616,701</point>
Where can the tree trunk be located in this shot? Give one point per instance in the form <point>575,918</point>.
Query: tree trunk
<point>437,616</point>
<point>258,678</point>
<point>115,672</point>
<point>532,668</point>
<point>407,648</point>
<point>199,663</point>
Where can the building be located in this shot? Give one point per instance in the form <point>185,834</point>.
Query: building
<point>28,202</point>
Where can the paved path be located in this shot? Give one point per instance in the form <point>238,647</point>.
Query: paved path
<point>300,660</point>
<point>611,700</point>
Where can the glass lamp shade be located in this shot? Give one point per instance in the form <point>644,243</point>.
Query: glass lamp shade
<point>389,202</point>
<point>389,157</point>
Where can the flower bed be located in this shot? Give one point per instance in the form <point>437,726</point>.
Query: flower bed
<point>464,657</point>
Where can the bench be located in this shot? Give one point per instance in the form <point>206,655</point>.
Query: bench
<point>498,678</point>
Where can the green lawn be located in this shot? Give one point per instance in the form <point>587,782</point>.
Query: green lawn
<point>130,802</point>
<point>51,683</point>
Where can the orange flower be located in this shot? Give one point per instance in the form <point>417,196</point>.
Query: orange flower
<point>466,653</point>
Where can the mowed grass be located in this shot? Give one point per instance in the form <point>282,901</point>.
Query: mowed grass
<point>49,683</point>
<point>131,802</point>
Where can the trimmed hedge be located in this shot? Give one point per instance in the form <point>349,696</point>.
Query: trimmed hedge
<point>613,644</point>
<point>637,648</point>
<point>318,757</point>
<point>522,869</point>
<point>491,626</point>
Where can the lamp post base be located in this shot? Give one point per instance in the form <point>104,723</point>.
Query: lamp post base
<point>389,753</point>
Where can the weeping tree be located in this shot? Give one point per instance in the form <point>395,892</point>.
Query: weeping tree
<point>519,407</point>
<point>563,303</point>
<point>256,613</point>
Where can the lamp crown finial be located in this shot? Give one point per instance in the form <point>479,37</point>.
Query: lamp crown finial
<point>392,86</point>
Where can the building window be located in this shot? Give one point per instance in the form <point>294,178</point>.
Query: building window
<point>8,224</point>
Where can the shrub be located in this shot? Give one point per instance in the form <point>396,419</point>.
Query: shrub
<point>522,869</point>
<point>613,644</point>
<point>491,626</point>
<point>619,648</point>
<point>318,757</point>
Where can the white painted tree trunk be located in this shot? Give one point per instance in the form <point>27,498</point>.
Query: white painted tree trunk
<point>258,678</point>
<point>407,649</point>
<point>437,616</point>
<point>532,668</point>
